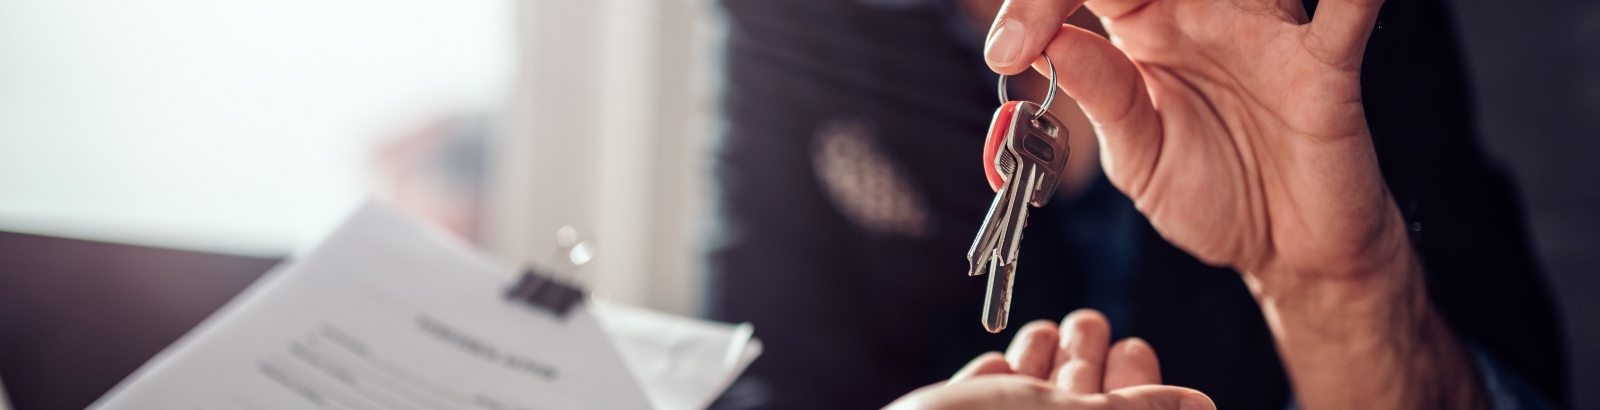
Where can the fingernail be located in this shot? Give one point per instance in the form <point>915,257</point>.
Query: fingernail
<point>1195,402</point>
<point>1005,46</point>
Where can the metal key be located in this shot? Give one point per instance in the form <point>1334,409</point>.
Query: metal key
<point>1025,154</point>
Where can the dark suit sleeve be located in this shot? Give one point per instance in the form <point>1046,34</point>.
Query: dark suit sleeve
<point>1484,278</point>
<point>1466,219</point>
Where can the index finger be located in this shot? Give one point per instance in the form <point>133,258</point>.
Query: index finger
<point>1032,351</point>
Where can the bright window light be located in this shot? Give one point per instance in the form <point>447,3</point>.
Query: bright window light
<point>232,126</point>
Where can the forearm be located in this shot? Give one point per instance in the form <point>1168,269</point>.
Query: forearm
<point>1369,341</point>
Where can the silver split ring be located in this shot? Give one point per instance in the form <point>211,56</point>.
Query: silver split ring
<point>1051,96</point>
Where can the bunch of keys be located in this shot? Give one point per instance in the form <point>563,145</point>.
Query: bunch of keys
<point>1024,157</point>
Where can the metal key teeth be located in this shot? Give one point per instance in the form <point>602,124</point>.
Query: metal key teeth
<point>997,303</point>
<point>1006,164</point>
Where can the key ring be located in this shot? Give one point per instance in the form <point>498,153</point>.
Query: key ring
<point>1051,96</point>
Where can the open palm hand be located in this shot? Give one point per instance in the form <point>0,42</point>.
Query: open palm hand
<point>1073,366</point>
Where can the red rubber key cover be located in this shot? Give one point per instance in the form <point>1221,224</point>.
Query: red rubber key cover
<point>997,136</point>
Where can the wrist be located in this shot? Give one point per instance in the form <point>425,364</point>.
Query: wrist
<point>1346,314</point>
<point>1376,273</point>
<point>1368,340</point>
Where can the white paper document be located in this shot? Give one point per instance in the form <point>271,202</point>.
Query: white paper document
<point>683,363</point>
<point>387,314</point>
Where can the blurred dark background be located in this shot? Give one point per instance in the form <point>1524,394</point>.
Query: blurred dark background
<point>1535,66</point>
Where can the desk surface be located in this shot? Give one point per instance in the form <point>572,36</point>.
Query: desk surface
<point>78,316</point>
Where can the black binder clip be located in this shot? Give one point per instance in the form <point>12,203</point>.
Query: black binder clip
<point>542,291</point>
<point>540,288</point>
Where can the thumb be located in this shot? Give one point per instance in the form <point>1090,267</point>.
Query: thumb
<point>987,363</point>
<point>1158,397</point>
<point>1006,391</point>
<point>1021,30</point>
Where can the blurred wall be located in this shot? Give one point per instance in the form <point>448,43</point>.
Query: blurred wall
<point>608,130</point>
<point>235,126</point>
<point>1536,71</point>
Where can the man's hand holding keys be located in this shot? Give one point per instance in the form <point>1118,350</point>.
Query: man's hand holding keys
<point>1072,367</point>
<point>1237,128</point>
